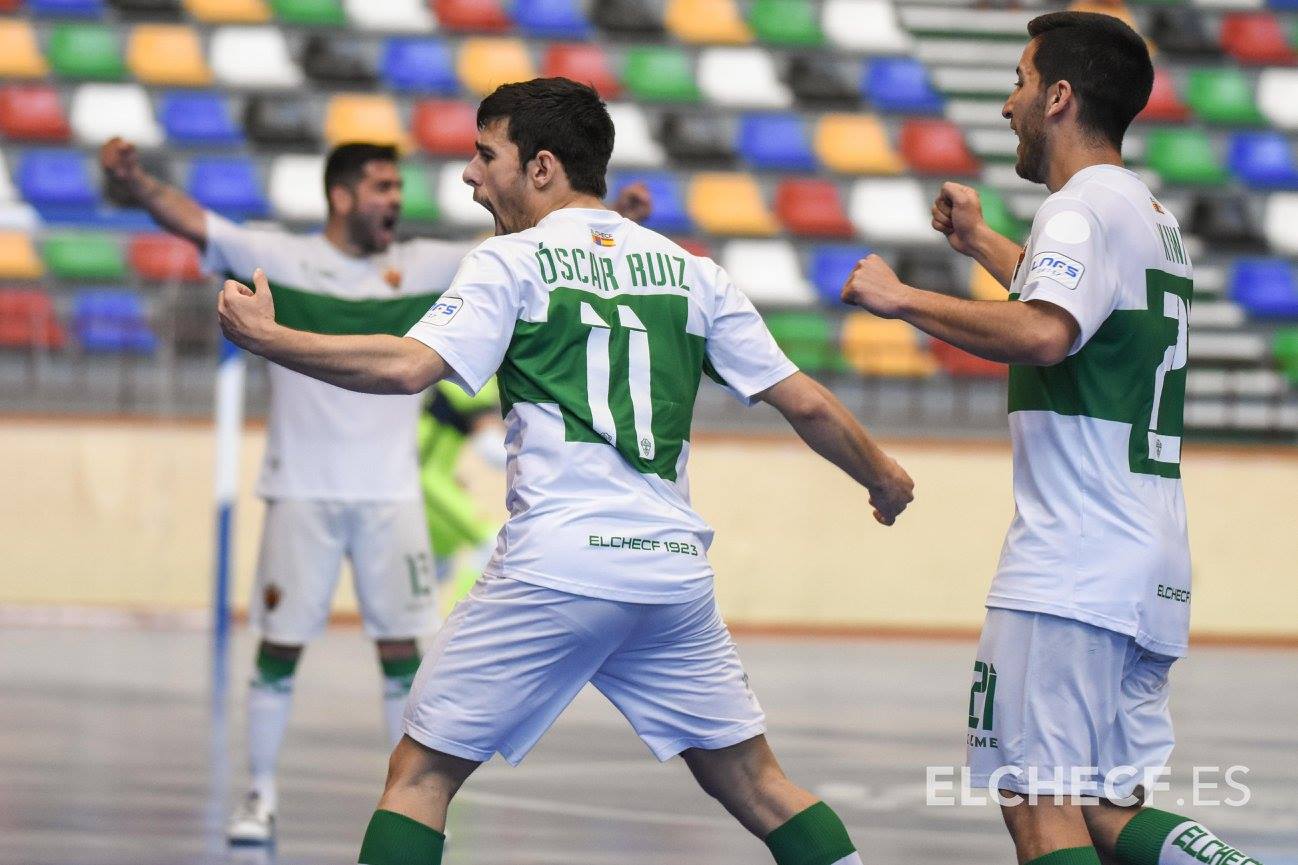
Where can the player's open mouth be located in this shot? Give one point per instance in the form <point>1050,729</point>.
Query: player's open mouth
<point>388,223</point>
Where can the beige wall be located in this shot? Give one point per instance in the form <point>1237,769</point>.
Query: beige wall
<point>119,514</point>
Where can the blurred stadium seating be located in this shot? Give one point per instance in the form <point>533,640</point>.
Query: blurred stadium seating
<point>786,137</point>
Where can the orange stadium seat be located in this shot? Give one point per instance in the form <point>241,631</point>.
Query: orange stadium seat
<point>481,15</point>
<point>167,54</point>
<point>1256,38</point>
<point>983,286</point>
<point>883,347</point>
<point>445,126</point>
<point>32,112</point>
<point>586,63</point>
<point>812,207</point>
<point>28,320</point>
<point>936,147</point>
<point>855,144</point>
<point>1165,105</point>
<point>484,64</point>
<point>363,117</point>
<point>18,259</point>
<point>162,257</point>
<point>724,203</point>
<point>707,21</point>
<point>20,55</point>
<point>229,11</point>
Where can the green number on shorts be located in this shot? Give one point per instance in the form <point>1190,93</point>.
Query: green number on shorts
<point>984,684</point>
<point>418,568</point>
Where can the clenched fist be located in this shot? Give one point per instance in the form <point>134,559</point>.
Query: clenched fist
<point>121,165</point>
<point>247,316</point>
<point>873,286</point>
<point>890,494</point>
<point>958,214</point>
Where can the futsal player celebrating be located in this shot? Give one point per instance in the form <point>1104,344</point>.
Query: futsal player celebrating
<point>1090,605</point>
<point>600,332</point>
<point>340,475</point>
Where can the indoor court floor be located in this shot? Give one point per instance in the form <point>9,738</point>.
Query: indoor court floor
<point>111,753</point>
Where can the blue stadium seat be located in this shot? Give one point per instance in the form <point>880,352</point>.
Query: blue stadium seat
<point>670,214</point>
<point>1265,287</point>
<point>198,118</point>
<point>552,19</point>
<point>775,141</point>
<point>1284,4</point>
<point>112,321</point>
<point>66,8</point>
<point>419,65</point>
<point>229,186</point>
<point>830,266</point>
<point>57,179</point>
<point>1263,160</point>
<point>900,84</point>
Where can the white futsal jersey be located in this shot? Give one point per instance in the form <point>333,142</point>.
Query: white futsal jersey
<point>324,442</point>
<point>601,330</point>
<point>1099,526</point>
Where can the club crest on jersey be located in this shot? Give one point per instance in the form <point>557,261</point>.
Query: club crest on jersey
<point>1058,267</point>
<point>443,311</point>
<point>599,238</point>
<point>1158,208</point>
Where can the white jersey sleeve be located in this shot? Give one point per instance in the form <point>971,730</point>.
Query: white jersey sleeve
<point>1067,265</point>
<point>236,249</point>
<point>472,324</point>
<point>740,349</point>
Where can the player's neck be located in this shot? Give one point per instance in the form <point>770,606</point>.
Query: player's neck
<point>336,233</point>
<point>1077,156</point>
<point>566,200</point>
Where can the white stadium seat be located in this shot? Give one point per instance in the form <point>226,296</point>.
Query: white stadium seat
<point>741,77</point>
<point>864,25</point>
<point>456,199</point>
<point>7,191</point>
<point>1277,96</point>
<point>19,216</point>
<point>891,210</point>
<point>633,145</point>
<point>409,16</point>
<point>255,57</point>
<point>1279,221</point>
<point>100,111</point>
<point>295,189</point>
<point>768,272</point>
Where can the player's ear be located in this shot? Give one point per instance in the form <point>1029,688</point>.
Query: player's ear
<point>1058,97</point>
<point>341,199</point>
<point>544,168</point>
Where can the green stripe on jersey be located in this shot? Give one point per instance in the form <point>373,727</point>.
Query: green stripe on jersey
<point>325,313</point>
<point>1119,373</point>
<point>621,369</point>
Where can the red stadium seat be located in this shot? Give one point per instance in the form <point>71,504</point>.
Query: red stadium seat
<point>812,207</point>
<point>694,246</point>
<point>32,112</point>
<point>1256,38</point>
<point>10,5</point>
<point>484,16</point>
<point>162,257</point>
<point>584,63</point>
<point>445,126</point>
<point>1165,105</point>
<point>962,364</point>
<point>27,320</point>
<point>936,147</point>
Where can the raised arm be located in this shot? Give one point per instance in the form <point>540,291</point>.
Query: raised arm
<point>1035,332</point>
<point>378,363</point>
<point>129,183</point>
<point>958,213</point>
<point>826,425</point>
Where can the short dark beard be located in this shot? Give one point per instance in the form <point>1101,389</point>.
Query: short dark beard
<point>1031,166</point>
<point>358,229</point>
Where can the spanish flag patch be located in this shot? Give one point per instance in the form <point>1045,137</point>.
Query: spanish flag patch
<point>599,238</point>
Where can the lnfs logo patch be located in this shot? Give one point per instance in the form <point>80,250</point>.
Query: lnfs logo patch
<point>1058,267</point>
<point>443,311</point>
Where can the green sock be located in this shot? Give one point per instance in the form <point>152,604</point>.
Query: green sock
<point>1068,856</point>
<point>1145,841</point>
<point>395,839</point>
<point>401,669</point>
<point>271,669</point>
<point>812,837</point>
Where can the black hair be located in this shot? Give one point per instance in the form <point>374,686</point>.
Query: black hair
<point>345,165</point>
<point>561,116</point>
<point>1106,62</point>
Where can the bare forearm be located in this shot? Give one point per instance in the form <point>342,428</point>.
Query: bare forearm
<point>172,209</point>
<point>831,431</point>
<point>1003,331</point>
<point>378,363</point>
<point>998,255</point>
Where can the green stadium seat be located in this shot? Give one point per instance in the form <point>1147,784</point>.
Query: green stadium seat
<point>1183,156</point>
<point>1285,348</point>
<point>84,256</point>
<point>808,339</point>
<point>785,22</point>
<point>1223,95</point>
<point>418,198</point>
<point>998,216</point>
<point>314,12</point>
<point>86,51</point>
<point>660,74</point>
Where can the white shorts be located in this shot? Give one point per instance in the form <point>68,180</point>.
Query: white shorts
<point>1060,707</point>
<point>512,656</point>
<point>303,542</point>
